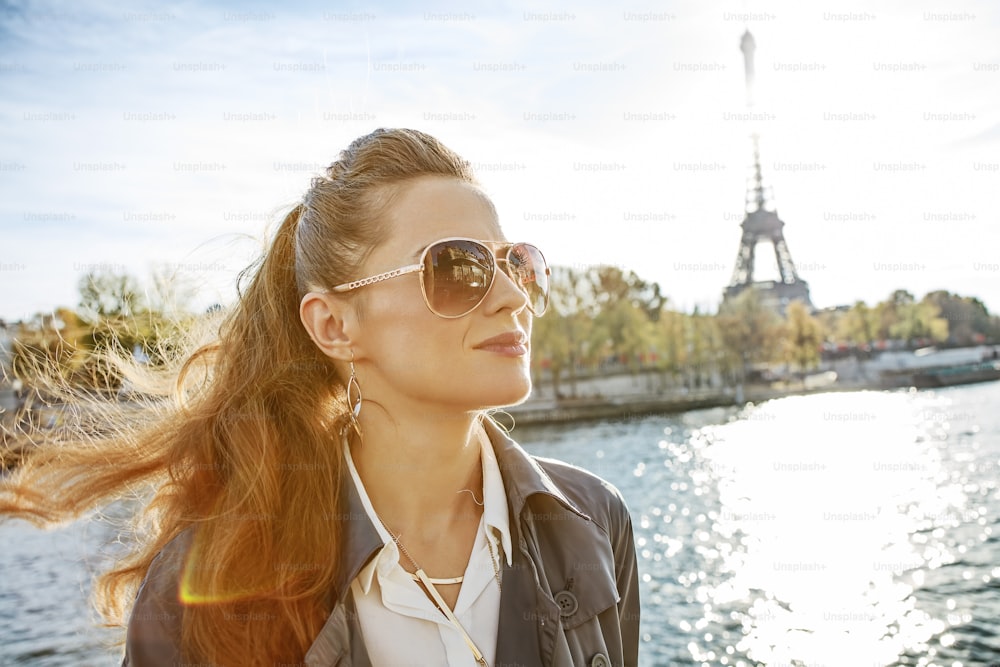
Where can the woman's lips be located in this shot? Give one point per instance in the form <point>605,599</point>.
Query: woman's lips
<point>510,343</point>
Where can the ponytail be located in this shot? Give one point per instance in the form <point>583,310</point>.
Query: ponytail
<point>244,456</point>
<point>281,467</point>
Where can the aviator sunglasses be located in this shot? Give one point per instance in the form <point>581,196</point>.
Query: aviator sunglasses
<point>458,274</point>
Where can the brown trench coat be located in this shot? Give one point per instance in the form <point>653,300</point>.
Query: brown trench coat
<point>571,596</point>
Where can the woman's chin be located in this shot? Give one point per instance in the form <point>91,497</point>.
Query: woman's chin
<point>513,395</point>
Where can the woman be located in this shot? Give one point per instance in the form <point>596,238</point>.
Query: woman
<point>332,491</point>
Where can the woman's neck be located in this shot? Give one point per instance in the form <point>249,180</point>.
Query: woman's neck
<point>415,477</point>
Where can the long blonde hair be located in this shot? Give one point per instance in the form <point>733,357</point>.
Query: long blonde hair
<point>245,453</point>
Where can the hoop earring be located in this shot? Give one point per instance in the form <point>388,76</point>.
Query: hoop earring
<point>354,389</point>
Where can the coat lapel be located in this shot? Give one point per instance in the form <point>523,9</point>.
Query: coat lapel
<point>558,549</point>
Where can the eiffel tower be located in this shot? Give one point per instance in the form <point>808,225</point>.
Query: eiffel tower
<point>762,224</point>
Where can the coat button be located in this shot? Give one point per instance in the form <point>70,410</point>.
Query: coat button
<point>600,660</point>
<point>567,603</point>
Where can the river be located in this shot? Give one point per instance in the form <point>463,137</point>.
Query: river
<point>846,529</point>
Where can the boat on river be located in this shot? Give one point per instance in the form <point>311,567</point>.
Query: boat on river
<point>985,371</point>
<point>929,368</point>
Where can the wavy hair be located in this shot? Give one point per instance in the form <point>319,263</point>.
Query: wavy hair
<point>244,450</point>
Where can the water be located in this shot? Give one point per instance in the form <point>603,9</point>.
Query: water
<point>844,529</point>
<point>45,618</point>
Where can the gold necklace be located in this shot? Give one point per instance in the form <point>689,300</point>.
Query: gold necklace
<point>416,576</point>
<point>428,583</point>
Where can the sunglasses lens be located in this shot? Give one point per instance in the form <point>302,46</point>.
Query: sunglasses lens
<point>457,276</point>
<point>529,271</point>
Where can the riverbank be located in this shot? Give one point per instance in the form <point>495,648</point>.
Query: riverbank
<point>627,396</point>
<point>541,411</point>
<point>622,407</point>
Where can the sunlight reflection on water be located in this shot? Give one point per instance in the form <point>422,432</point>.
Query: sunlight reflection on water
<point>831,511</point>
<point>841,529</point>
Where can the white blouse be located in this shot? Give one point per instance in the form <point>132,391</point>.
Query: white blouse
<point>400,623</point>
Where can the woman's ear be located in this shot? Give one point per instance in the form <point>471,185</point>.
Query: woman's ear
<point>328,319</point>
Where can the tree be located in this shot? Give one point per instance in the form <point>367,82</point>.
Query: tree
<point>751,331</point>
<point>124,317</point>
<point>594,314</point>
<point>114,316</point>
<point>969,321</point>
<point>623,305</point>
<point>920,323</point>
<point>113,306</point>
<point>50,341</point>
<point>626,332</point>
<point>559,338</point>
<point>107,294</point>
<point>611,284</point>
<point>716,362</point>
<point>859,324</point>
<point>668,337</point>
<point>803,337</point>
<point>889,312</point>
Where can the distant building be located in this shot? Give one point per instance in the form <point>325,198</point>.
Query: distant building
<point>762,224</point>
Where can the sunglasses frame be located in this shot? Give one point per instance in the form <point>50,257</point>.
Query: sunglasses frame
<point>420,268</point>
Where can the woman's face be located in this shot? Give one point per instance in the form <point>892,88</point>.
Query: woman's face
<point>403,351</point>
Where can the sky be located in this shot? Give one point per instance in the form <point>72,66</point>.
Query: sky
<point>169,137</point>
